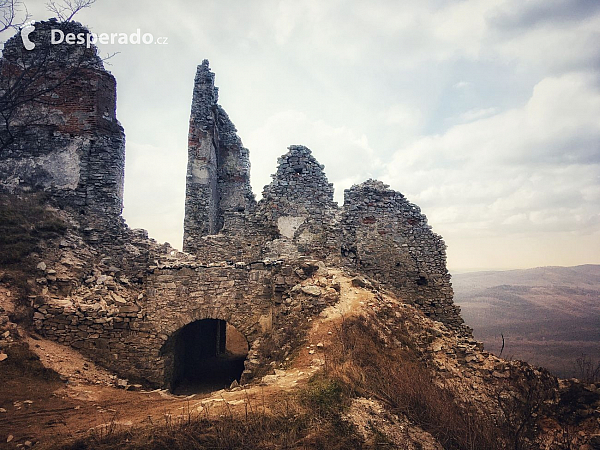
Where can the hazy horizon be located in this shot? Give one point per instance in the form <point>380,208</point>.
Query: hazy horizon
<point>508,269</point>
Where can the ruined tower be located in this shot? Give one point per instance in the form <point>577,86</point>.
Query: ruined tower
<point>299,204</point>
<point>59,132</point>
<point>142,309</point>
<point>218,192</point>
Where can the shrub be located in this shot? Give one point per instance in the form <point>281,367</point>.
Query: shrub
<point>324,396</point>
<point>524,398</point>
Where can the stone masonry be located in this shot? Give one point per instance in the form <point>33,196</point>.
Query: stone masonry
<point>376,232</point>
<point>387,238</point>
<point>122,299</point>
<point>63,135</point>
<point>299,204</point>
<point>218,189</point>
<point>128,330</point>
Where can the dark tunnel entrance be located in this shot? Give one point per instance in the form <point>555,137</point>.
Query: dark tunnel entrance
<point>208,355</point>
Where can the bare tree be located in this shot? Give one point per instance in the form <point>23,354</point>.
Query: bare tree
<point>32,82</point>
<point>13,14</point>
<point>66,9</point>
<point>20,87</point>
<point>588,371</point>
<point>29,78</point>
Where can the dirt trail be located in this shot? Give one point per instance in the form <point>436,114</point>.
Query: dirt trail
<point>89,399</point>
<point>68,362</point>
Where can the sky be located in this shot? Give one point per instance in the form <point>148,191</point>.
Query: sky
<point>485,113</point>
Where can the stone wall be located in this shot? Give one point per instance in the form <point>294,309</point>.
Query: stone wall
<point>377,232</point>
<point>63,136</point>
<point>127,329</point>
<point>201,196</point>
<point>387,238</point>
<point>218,193</point>
<point>299,205</point>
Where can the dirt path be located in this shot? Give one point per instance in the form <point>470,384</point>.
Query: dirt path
<point>90,401</point>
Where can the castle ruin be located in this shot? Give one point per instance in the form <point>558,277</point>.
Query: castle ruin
<point>135,306</point>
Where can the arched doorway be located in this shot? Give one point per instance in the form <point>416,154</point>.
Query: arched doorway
<point>206,355</point>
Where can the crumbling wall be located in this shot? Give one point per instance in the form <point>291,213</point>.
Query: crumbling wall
<point>201,196</point>
<point>299,205</point>
<point>387,238</point>
<point>377,232</point>
<point>218,192</point>
<point>63,139</point>
<point>233,176</point>
<point>60,133</point>
<point>126,328</point>
<point>118,296</point>
<point>246,246</point>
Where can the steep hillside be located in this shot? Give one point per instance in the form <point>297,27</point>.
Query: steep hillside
<point>549,316</point>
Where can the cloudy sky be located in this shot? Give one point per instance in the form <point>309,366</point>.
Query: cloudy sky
<point>485,113</point>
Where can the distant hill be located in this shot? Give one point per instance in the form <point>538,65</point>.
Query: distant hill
<point>549,316</point>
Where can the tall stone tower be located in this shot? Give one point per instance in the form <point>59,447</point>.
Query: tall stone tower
<point>218,193</point>
<point>61,134</point>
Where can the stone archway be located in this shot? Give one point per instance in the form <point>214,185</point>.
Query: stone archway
<point>204,355</point>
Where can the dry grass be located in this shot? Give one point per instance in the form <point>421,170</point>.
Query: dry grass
<point>361,359</point>
<point>307,419</point>
<point>360,362</point>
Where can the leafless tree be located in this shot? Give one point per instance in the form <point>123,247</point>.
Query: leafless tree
<point>13,14</point>
<point>588,371</point>
<point>31,82</point>
<point>20,90</point>
<point>29,78</point>
<point>66,9</point>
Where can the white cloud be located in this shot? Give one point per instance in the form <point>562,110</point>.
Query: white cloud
<point>476,114</point>
<point>526,170</point>
<point>347,156</point>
